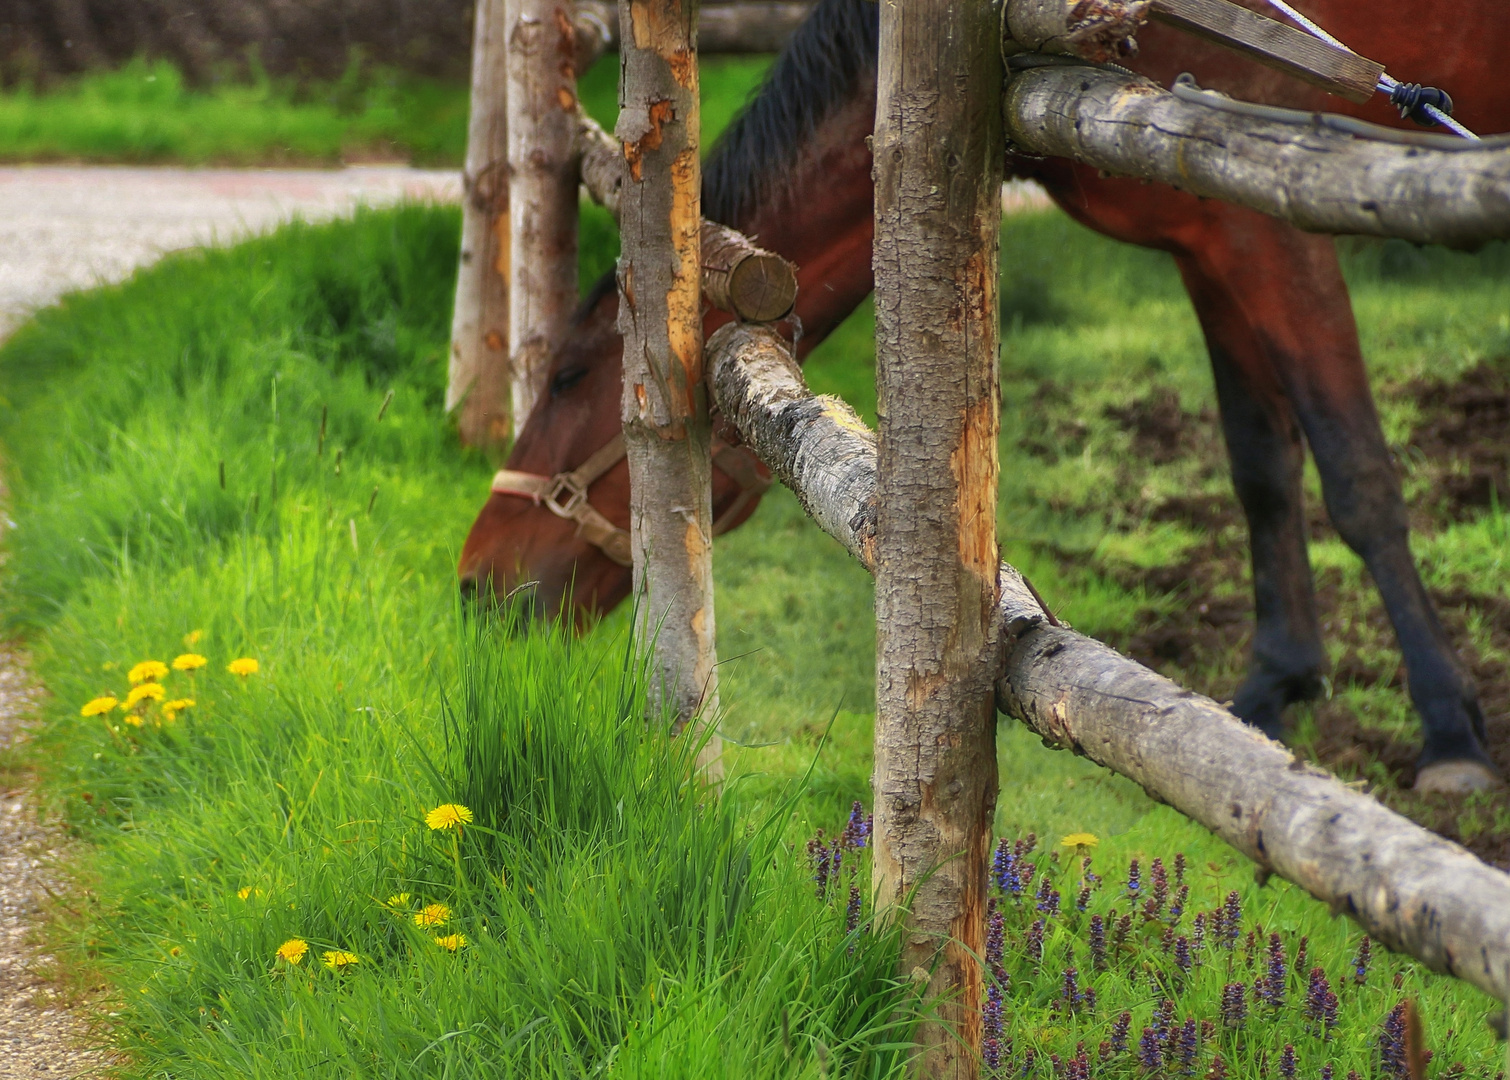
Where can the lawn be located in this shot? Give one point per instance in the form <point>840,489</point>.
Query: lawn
<point>145,113</point>
<point>241,454</point>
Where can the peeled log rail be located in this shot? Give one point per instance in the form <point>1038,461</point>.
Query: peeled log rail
<point>1316,177</point>
<point>755,26</point>
<point>747,281</point>
<point>1411,890</point>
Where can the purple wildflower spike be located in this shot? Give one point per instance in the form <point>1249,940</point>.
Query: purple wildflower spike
<point>1120,932</point>
<point>1198,932</point>
<point>1232,918</point>
<point>857,828</point>
<point>852,911</point>
<point>1326,1071</point>
<point>1048,899</point>
<point>1392,1060</point>
<point>1360,961</point>
<point>1188,1046</point>
<point>1069,991</point>
<point>1001,864</point>
<point>1083,901</point>
<point>819,855</point>
<point>1275,977</point>
<point>1033,941</point>
<point>1098,943</point>
<point>1120,1027</point>
<point>1182,958</point>
<point>1150,1056</point>
<point>1218,1069</point>
<point>1234,1005</point>
<point>1287,1062</point>
<point>1300,954</point>
<point>1163,1017</point>
<point>1177,905</point>
<point>995,940</point>
<point>1179,868</point>
<point>1086,875</point>
<point>1029,1059</point>
<point>1160,881</point>
<point>991,1028</point>
<point>1134,881</point>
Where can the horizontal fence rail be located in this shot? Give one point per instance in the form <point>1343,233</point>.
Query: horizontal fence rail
<point>1413,891</point>
<point>1431,190</point>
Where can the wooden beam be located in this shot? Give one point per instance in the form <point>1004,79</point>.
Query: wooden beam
<point>542,178</point>
<point>1408,888</point>
<point>1103,30</point>
<point>749,26</point>
<point>477,378</point>
<point>664,405</point>
<point>1430,189</point>
<point>738,277</point>
<point>938,169</point>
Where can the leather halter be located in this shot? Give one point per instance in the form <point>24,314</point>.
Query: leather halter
<point>565,494</point>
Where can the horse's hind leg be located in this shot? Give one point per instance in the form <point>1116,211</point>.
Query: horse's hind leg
<point>1289,291</point>
<point>1267,455</point>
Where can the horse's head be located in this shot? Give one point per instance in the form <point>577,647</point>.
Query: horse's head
<point>793,172</point>
<point>555,524</point>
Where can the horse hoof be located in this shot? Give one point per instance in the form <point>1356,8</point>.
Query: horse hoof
<point>1456,778</point>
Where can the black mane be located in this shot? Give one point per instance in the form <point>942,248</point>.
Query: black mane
<point>833,49</point>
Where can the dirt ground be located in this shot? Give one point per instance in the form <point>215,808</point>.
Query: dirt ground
<point>1461,469</point>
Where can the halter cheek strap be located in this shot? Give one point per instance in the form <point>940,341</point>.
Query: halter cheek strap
<point>565,494</point>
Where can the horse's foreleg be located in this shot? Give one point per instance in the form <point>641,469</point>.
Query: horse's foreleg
<point>1264,445</point>
<point>1290,290</point>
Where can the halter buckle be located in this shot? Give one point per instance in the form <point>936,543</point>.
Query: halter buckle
<point>575,493</point>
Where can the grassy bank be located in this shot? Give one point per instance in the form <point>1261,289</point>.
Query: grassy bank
<point>610,917</point>
<point>146,114</point>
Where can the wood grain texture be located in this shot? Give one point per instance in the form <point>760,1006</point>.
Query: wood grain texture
<point>738,277</point>
<point>477,378</point>
<point>664,406</point>
<point>1319,179</point>
<point>938,169</point>
<point>1411,890</point>
<point>543,172</point>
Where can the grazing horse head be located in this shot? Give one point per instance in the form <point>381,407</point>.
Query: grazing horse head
<point>792,172</point>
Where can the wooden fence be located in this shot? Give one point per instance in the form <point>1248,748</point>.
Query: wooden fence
<point>959,634</point>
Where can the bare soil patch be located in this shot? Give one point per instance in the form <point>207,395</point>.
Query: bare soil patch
<point>1460,442</point>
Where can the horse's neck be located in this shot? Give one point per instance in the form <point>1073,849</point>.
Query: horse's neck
<point>822,220</point>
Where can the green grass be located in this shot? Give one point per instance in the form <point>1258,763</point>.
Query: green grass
<point>145,113</point>
<point>615,916</point>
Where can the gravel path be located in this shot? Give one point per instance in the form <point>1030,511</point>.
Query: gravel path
<point>73,228</point>
<point>63,229</point>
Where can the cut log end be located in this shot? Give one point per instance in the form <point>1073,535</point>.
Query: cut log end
<point>762,288</point>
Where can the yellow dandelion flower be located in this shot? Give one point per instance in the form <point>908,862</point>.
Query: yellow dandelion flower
<point>171,709</point>
<point>140,693</point>
<point>192,637</point>
<point>243,892</point>
<point>448,816</point>
<point>1080,840</point>
<point>293,950</point>
<point>147,671</point>
<point>189,661</point>
<point>452,942</point>
<point>432,915</point>
<point>98,706</point>
<point>399,900</point>
<point>243,667</point>
<point>133,719</point>
<point>339,960</point>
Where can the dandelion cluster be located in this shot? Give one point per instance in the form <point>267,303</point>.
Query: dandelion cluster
<point>146,701</point>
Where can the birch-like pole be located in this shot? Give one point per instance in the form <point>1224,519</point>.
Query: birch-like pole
<point>477,381</point>
<point>1319,177</point>
<point>938,169</point>
<point>543,179</point>
<point>665,402</point>
<point>1411,890</point>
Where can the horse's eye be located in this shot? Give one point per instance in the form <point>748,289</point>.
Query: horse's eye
<point>566,379</point>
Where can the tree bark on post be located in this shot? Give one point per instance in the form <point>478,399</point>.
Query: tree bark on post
<point>938,171</point>
<point>477,382</point>
<point>665,402</point>
<point>543,178</point>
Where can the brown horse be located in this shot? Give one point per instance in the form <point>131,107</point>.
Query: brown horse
<point>794,171</point>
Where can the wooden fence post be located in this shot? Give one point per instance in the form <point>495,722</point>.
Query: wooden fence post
<point>938,170</point>
<point>665,402</point>
<point>543,178</point>
<point>477,383</point>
